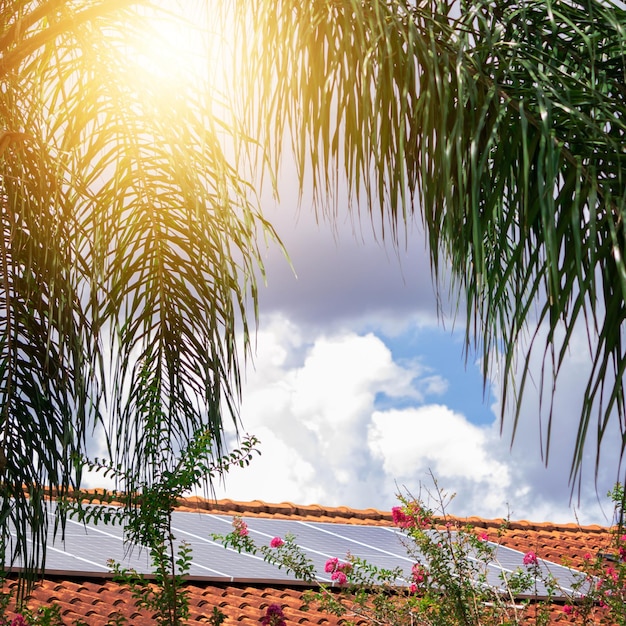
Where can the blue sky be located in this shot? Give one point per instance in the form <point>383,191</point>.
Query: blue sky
<point>440,350</point>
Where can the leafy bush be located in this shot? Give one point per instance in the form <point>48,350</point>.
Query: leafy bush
<point>145,511</point>
<point>448,583</point>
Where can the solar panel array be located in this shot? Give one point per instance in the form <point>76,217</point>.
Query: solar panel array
<point>87,548</point>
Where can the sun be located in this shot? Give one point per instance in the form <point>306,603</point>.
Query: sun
<point>183,44</point>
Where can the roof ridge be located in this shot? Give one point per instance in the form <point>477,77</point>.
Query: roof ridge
<point>320,512</point>
<point>260,507</point>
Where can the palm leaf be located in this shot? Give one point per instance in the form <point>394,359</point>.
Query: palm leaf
<point>128,260</point>
<point>503,124</point>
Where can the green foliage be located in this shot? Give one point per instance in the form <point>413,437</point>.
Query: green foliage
<point>600,595</point>
<point>147,506</point>
<point>163,593</point>
<point>146,514</point>
<point>448,583</point>
<point>502,124</point>
<point>449,579</point>
<point>128,255</point>
<point>217,617</point>
<point>286,555</point>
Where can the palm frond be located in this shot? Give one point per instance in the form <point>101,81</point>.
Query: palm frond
<point>503,125</point>
<point>128,256</point>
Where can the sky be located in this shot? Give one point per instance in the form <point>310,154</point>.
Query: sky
<point>360,389</point>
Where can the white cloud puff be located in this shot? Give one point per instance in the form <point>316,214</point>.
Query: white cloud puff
<point>313,401</point>
<point>413,443</point>
<point>433,437</point>
<point>341,422</point>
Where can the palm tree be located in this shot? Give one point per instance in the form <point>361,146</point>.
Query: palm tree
<point>130,222</point>
<point>128,254</point>
<point>502,125</point>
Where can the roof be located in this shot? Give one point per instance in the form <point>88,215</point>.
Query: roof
<point>548,540</point>
<point>95,600</point>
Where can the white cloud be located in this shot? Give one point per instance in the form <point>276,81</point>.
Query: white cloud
<point>314,411</point>
<point>435,385</point>
<point>343,423</point>
<point>312,401</point>
<point>413,441</point>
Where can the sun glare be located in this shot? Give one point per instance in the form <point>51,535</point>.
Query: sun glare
<point>183,45</point>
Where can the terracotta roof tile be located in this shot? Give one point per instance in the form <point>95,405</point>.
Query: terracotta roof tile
<point>97,600</point>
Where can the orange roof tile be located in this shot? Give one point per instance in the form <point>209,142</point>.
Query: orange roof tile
<point>98,600</point>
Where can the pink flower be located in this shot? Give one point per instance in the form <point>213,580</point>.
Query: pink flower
<point>19,620</point>
<point>419,573</point>
<point>611,572</point>
<point>338,569</point>
<point>587,556</point>
<point>276,542</point>
<point>530,558</point>
<point>483,536</point>
<point>240,527</point>
<point>425,521</point>
<point>339,577</point>
<point>331,565</point>
<point>413,588</point>
<point>568,609</point>
<point>410,516</point>
<point>274,616</point>
<point>401,519</point>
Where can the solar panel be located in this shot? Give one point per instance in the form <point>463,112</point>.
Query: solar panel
<point>86,549</point>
